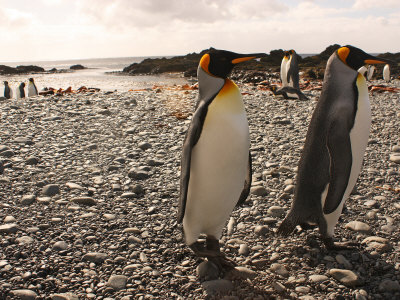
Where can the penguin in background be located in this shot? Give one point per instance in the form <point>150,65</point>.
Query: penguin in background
<point>32,90</point>
<point>334,148</point>
<point>8,93</point>
<point>20,91</point>
<point>386,73</point>
<point>284,62</point>
<point>292,70</point>
<point>216,161</point>
<point>288,92</point>
<point>370,73</point>
<point>362,70</point>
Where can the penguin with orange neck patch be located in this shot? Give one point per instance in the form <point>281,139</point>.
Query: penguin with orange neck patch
<point>334,148</point>
<point>216,162</point>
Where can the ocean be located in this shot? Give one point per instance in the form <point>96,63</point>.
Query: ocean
<point>96,75</point>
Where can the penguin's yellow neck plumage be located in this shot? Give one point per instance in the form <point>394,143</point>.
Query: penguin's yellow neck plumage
<point>229,98</point>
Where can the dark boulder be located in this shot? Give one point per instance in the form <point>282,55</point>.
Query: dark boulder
<point>29,69</point>
<point>77,67</point>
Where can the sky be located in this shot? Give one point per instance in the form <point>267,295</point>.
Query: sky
<point>77,29</point>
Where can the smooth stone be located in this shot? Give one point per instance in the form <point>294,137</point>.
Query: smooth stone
<point>51,190</point>
<point>154,163</point>
<point>73,185</point>
<point>96,257</point>
<point>117,282</point>
<point>7,153</point>
<point>131,130</point>
<point>144,146</point>
<point>31,161</point>
<point>389,228</point>
<point>318,278</point>
<point>289,188</point>
<point>377,243</point>
<point>134,230</point>
<point>276,211</point>
<point>138,174</point>
<point>302,289</point>
<point>279,287</point>
<point>109,217</point>
<point>28,199</point>
<point>346,277</point>
<point>395,158</point>
<point>218,286</point>
<point>60,246</point>
<point>9,219</point>
<point>129,195</point>
<point>84,200</point>
<point>279,269</point>
<point>370,203</point>
<point>24,294</point>
<point>244,249</point>
<point>396,148</point>
<point>207,271</point>
<point>261,230</point>
<point>64,296</point>
<point>389,285</point>
<point>24,240</point>
<point>259,191</point>
<point>358,227</point>
<point>9,228</point>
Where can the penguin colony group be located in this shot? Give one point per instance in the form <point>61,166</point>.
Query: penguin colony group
<point>216,163</point>
<point>20,90</point>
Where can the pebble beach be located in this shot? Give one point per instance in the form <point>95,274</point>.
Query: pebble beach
<point>89,187</point>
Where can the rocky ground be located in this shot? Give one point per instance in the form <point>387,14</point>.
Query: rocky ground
<point>89,188</point>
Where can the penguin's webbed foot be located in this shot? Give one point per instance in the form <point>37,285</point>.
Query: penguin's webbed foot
<point>213,254</point>
<point>331,245</point>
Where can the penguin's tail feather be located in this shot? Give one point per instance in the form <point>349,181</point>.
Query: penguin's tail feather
<point>287,226</point>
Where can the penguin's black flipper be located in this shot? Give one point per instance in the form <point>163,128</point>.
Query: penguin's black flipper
<point>191,139</point>
<point>339,146</point>
<point>247,184</point>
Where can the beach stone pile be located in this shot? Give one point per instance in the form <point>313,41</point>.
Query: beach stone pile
<point>89,185</point>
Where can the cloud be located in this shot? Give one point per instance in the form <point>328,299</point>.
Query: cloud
<point>369,4</point>
<point>153,13</point>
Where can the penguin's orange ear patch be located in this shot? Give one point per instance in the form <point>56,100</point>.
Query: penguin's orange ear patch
<point>343,53</point>
<point>205,62</point>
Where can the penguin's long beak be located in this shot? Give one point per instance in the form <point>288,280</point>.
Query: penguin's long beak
<point>377,60</point>
<point>245,57</point>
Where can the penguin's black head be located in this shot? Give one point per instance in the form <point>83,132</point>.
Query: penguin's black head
<point>31,79</point>
<point>5,82</point>
<point>355,58</point>
<point>219,63</point>
<point>22,84</point>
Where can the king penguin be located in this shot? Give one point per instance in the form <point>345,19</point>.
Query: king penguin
<point>20,91</point>
<point>386,73</point>
<point>32,90</point>
<point>292,70</point>
<point>284,62</point>
<point>216,162</point>
<point>370,72</point>
<point>8,93</point>
<point>334,148</point>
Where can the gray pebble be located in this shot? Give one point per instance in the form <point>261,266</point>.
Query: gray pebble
<point>117,282</point>
<point>96,257</point>
<point>51,190</point>
<point>346,277</point>
<point>220,286</point>
<point>24,294</point>
<point>358,227</point>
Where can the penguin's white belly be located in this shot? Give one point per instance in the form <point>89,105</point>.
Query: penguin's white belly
<point>218,167</point>
<point>284,73</point>
<point>359,139</point>
<point>31,90</point>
